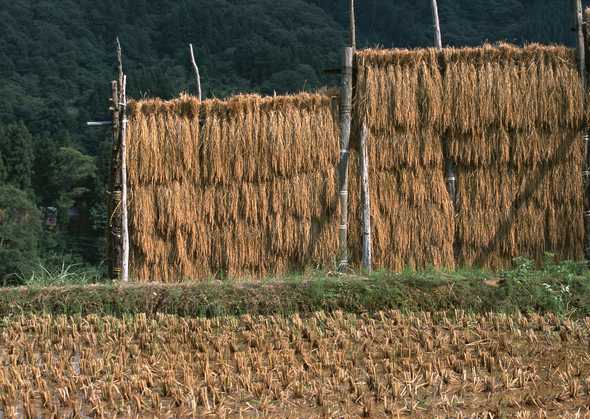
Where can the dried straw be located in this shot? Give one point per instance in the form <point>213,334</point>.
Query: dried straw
<point>400,94</point>
<point>240,187</point>
<point>512,118</point>
<point>247,186</point>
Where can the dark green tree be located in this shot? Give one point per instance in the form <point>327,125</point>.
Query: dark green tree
<point>57,59</point>
<point>20,229</point>
<point>2,171</point>
<point>76,177</point>
<point>16,152</point>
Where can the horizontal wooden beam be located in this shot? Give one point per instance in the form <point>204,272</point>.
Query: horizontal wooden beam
<point>98,123</point>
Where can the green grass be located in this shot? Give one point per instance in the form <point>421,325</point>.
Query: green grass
<point>63,274</point>
<point>562,288</point>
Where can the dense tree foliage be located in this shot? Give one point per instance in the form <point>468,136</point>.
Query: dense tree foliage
<point>16,153</point>
<point>20,231</point>
<point>58,58</point>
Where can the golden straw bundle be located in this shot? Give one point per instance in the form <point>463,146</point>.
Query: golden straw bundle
<point>399,94</point>
<point>240,187</point>
<point>512,119</point>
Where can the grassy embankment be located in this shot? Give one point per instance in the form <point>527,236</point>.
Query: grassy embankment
<point>562,288</point>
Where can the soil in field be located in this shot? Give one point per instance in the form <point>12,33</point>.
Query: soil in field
<point>325,365</point>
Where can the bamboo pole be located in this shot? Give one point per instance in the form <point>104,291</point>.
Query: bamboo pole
<point>345,129</point>
<point>366,200</point>
<point>367,259</point>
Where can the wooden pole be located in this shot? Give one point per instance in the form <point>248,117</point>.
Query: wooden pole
<point>351,24</point>
<point>120,68</point>
<point>124,216</point>
<point>114,235</point>
<point>437,33</point>
<point>196,70</point>
<point>366,200</point>
<point>122,114</point>
<point>451,177</point>
<point>345,128</point>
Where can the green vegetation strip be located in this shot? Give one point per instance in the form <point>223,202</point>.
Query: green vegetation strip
<point>561,289</point>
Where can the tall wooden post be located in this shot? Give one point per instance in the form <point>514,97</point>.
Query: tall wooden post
<point>122,108</point>
<point>351,24</point>
<point>437,34</point>
<point>366,199</point>
<point>449,166</point>
<point>124,216</point>
<point>345,129</point>
<point>118,217</point>
<point>114,235</point>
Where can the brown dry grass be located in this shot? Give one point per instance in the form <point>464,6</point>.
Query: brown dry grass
<point>244,186</point>
<point>326,365</point>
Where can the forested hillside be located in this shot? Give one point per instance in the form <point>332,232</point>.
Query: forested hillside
<point>57,58</point>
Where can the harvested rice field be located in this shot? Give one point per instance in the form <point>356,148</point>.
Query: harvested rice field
<point>325,365</point>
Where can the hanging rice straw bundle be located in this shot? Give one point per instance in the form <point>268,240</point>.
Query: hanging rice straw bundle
<point>240,187</point>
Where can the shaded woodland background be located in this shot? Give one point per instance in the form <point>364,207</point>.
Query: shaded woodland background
<point>57,59</point>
